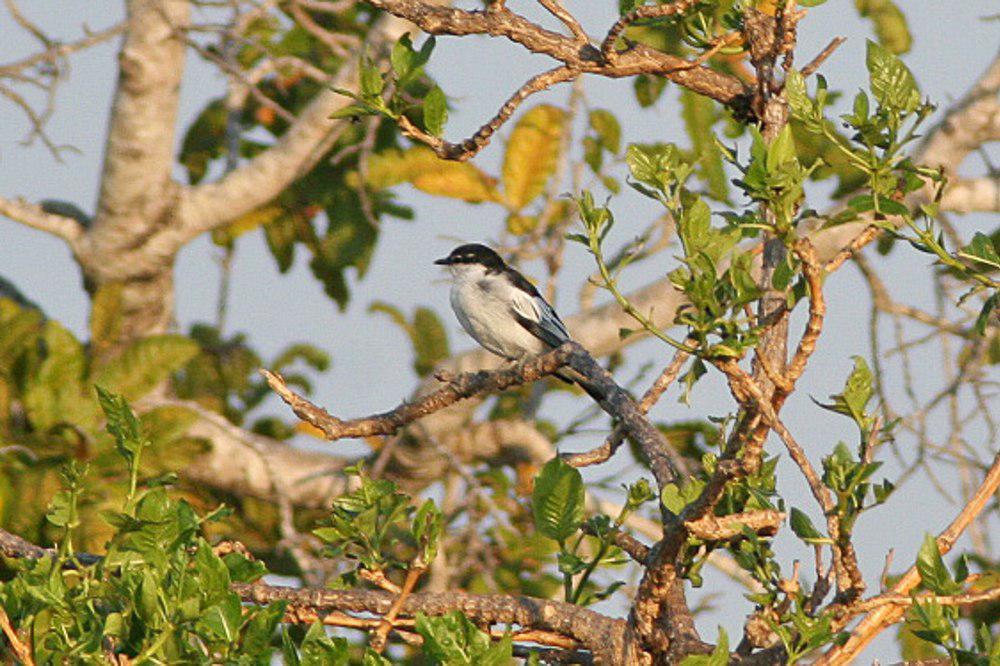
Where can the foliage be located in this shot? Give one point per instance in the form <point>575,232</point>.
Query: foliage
<point>159,594</point>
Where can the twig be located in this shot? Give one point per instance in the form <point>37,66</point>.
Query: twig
<point>22,651</point>
<point>817,310</point>
<point>382,632</point>
<point>821,57</point>
<point>557,10</point>
<point>635,549</point>
<point>903,600</point>
<point>469,147</point>
<point>638,14</point>
<point>889,614</point>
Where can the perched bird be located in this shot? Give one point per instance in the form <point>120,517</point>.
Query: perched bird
<point>504,312</point>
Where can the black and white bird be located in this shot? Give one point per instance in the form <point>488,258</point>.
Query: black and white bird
<point>503,311</point>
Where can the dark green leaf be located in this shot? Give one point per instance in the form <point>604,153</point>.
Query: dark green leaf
<point>804,528</point>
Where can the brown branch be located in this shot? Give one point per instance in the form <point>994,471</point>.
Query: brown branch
<point>22,651</point>
<point>662,458</point>
<point>457,387</point>
<point>557,10</point>
<point>640,13</point>
<point>817,311</point>
<point>725,528</point>
<point>604,452</point>
<point>600,634</point>
<point>903,600</point>
<point>889,614</point>
<point>867,235</point>
<point>821,57</point>
<point>382,631</point>
<point>499,21</point>
<point>469,147</point>
<point>635,549</point>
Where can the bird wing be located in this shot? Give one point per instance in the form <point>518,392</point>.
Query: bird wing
<point>536,315</point>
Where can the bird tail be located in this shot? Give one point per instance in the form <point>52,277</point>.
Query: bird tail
<point>571,376</point>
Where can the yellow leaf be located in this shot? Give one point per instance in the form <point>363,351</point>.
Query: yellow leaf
<point>309,429</point>
<point>532,152</point>
<point>521,224</point>
<point>427,172</point>
<point>241,225</point>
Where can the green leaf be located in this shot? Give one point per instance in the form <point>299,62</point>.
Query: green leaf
<point>983,320</point>
<point>223,620</point>
<point>256,641</point>
<point>933,572</point>
<point>889,22</point>
<point>427,526</point>
<point>430,341</point>
<point>435,111</point>
<point>318,649</point>
<point>608,130</point>
<point>557,501</point>
<point>719,656</point>
<point>373,658</point>
<point>122,424</point>
<point>891,81</point>
<point>452,640</point>
<point>981,250</point>
<point>145,364</point>
<point>532,151</point>
<point>804,529</point>
<point>801,105</point>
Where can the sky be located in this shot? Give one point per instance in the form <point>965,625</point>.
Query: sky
<point>371,358</point>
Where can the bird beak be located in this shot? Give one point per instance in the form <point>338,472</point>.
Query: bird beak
<point>443,262</point>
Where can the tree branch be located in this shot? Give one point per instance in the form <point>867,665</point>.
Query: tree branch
<point>889,614</point>
<point>618,403</point>
<point>212,205</point>
<point>34,215</point>
<point>602,635</point>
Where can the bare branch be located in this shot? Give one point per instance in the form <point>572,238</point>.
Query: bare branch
<point>468,148</point>
<point>34,215</point>
<point>663,460</point>
<point>607,449</point>
<point>500,21</point>
<point>725,528</point>
<point>57,50</point>
<point>821,57</point>
<point>556,9</point>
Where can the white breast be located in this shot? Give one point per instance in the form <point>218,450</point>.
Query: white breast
<point>483,307</point>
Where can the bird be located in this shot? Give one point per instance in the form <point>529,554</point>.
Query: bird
<point>502,311</point>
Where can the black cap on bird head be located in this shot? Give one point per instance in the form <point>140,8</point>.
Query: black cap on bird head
<point>473,253</point>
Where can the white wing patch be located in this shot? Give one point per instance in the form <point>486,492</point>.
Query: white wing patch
<point>536,310</point>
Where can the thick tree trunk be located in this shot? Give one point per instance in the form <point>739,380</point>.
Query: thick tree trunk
<point>138,196</point>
